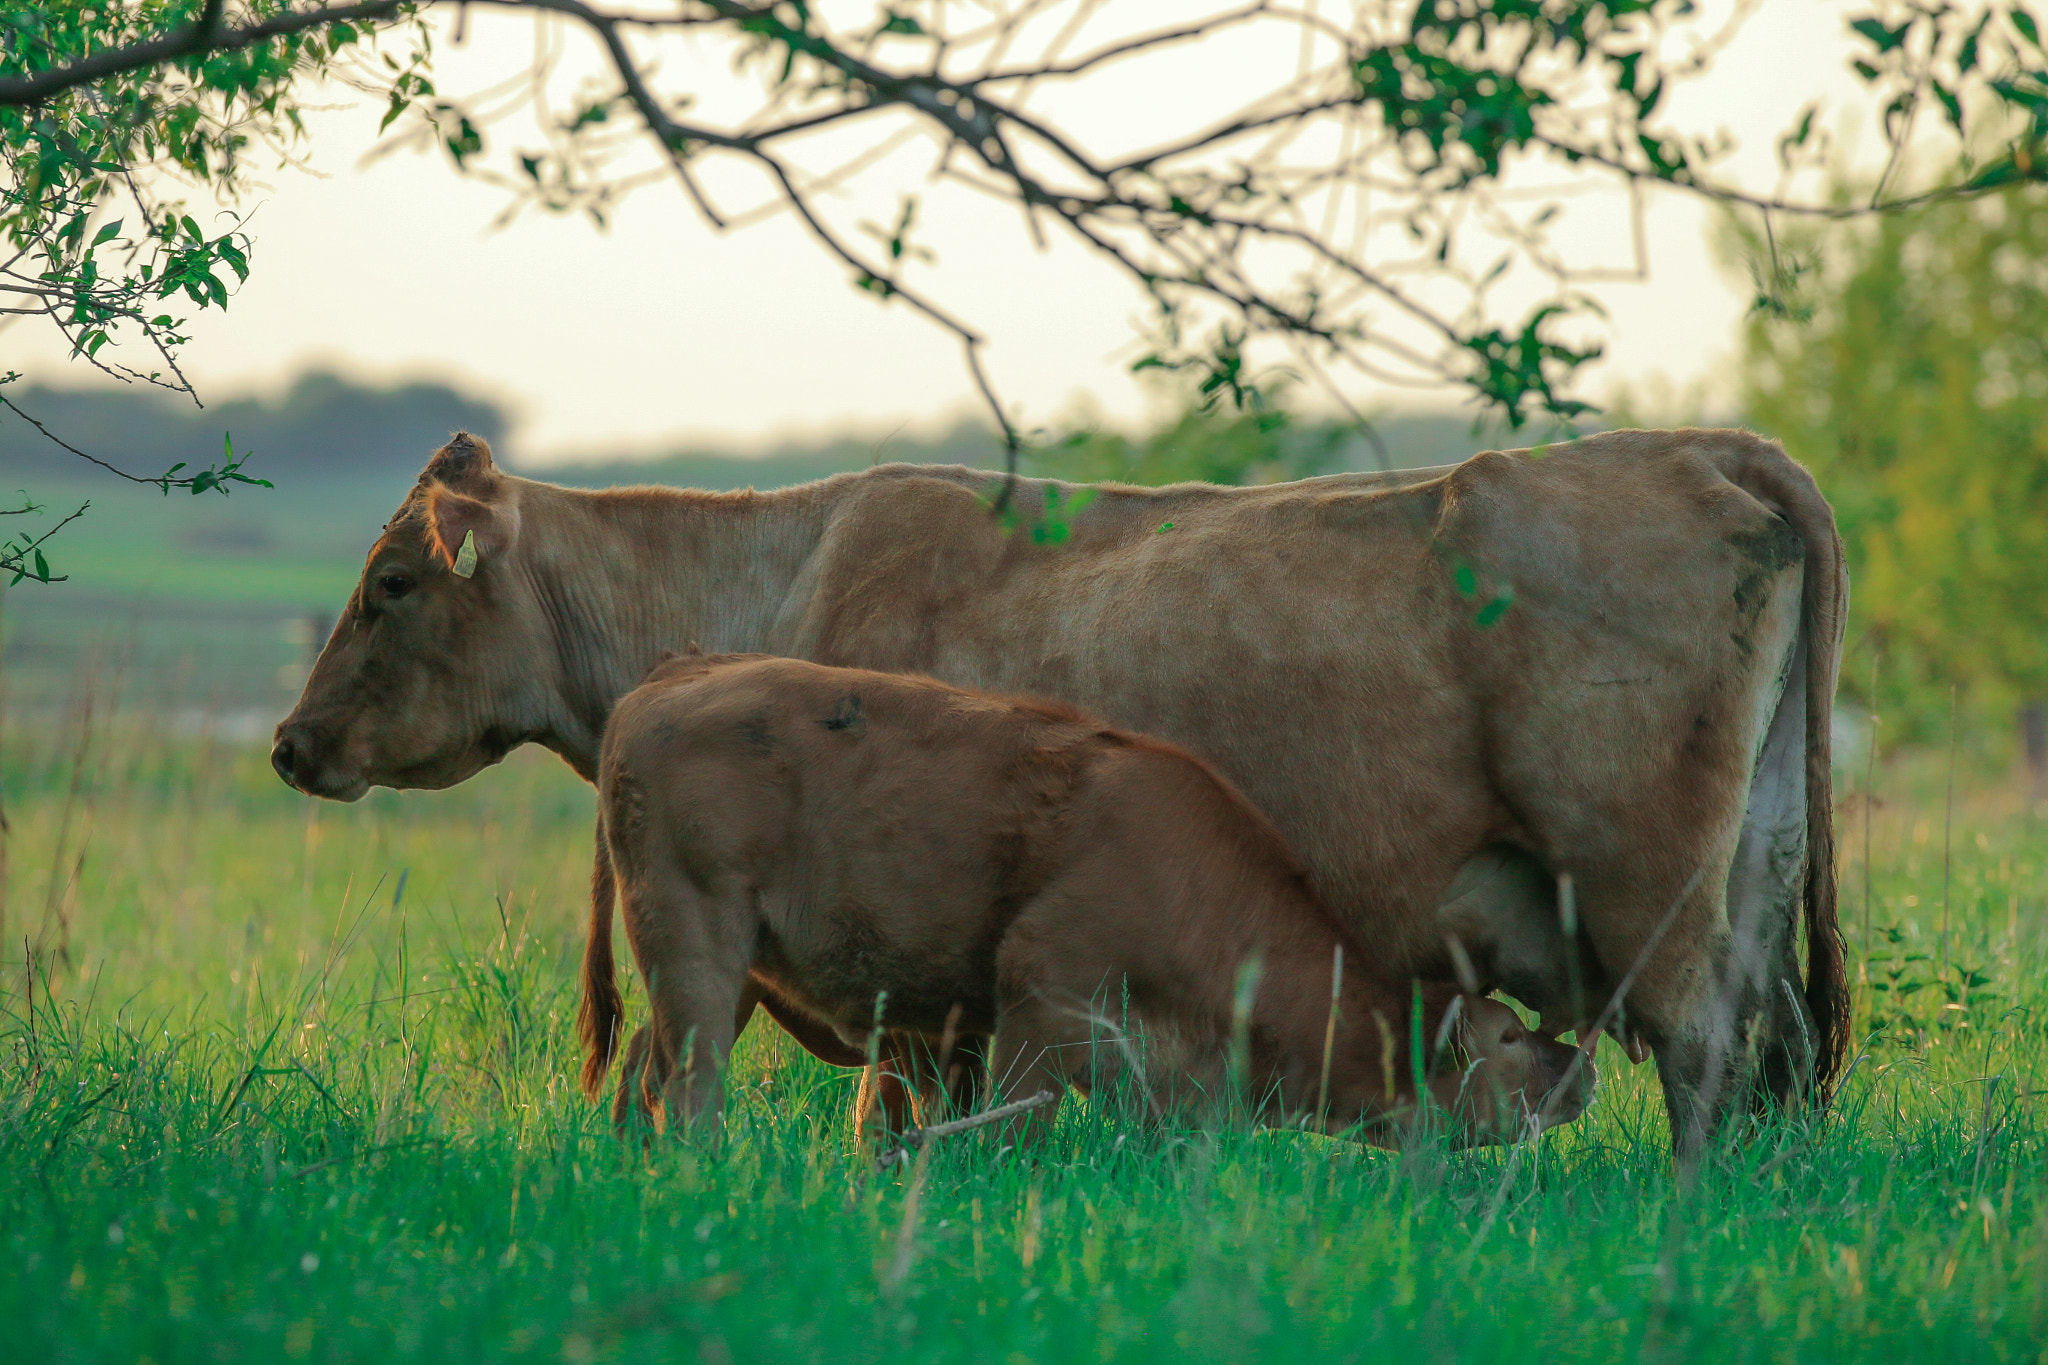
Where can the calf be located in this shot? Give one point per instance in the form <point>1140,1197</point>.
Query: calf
<point>888,852</point>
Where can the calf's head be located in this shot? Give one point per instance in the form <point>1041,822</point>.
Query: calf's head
<point>1499,1081</point>
<point>436,667</point>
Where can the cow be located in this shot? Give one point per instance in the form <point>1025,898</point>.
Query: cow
<point>1551,720</point>
<point>888,852</point>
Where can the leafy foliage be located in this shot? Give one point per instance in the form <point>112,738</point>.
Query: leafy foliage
<point>1918,395</point>
<point>94,237</point>
<point>1438,106</point>
<point>1350,221</point>
<point>1200,447</point>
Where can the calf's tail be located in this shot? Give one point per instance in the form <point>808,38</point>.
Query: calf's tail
<point>599,1016</point>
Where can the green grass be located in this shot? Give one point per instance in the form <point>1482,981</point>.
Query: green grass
<point>271,1108</point>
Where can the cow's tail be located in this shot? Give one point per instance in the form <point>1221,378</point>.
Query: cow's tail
<point>601,1013</point>
<point>1764,470</point>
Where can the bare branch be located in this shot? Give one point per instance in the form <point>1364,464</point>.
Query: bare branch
<point>163,482</point>
<point>1144,43</point>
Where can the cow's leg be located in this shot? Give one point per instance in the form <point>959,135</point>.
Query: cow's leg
<point>965,1074</point>
<point>905,1087</point>
<point>941,1080</point>
<point>1747,1040</point>
<point>1665,945</point>
<point>886,1102</point>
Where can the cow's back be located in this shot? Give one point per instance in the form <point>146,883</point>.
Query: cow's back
<point>1401,671</point>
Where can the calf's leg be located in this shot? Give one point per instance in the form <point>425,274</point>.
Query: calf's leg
<point>694,949</point>
<point>635,1098</point>
<point>1033,1052</point>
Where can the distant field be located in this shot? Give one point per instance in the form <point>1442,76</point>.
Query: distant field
<point>297,1083</point>
<point>201,601</point>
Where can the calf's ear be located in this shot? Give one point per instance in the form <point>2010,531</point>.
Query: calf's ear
<point>468,532</point>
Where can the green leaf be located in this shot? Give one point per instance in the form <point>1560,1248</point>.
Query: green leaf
<point>2024,22</point>
<point>1800,132</point>
<point>1494,610</point>
<point>1966,55</point>
<point>1949,103</point>
<point>1884,39</point>
<point>107,233</point>
<point>42,567</point>
<point>1464,579</point>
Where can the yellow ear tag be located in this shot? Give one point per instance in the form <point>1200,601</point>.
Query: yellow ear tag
<point>465,558</point>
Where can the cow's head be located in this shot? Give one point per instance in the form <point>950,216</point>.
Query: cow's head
<point>433,670</point>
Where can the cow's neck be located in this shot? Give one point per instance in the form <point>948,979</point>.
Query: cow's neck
<point>621,576</point>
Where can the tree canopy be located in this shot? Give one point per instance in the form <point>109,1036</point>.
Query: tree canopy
<point>1916,393</point>
<point>1379,214</point>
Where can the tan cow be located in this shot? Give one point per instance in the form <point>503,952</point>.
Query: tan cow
<point>887,851</point>
<point>1611,660</point>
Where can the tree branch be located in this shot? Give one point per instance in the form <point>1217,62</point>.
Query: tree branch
<point>206,34</point>
<point>163,482</point>
<point>20,560</point>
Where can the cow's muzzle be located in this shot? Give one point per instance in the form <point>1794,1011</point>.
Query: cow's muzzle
<point>295,755</point>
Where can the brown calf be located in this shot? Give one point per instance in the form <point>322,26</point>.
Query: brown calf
<point>881,850</point>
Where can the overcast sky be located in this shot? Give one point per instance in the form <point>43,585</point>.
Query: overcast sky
<point>662,330</point>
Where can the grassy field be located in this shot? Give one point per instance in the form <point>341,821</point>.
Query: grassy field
<point>295,1082</point>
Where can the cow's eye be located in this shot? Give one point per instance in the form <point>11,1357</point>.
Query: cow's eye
<point>395,584</point>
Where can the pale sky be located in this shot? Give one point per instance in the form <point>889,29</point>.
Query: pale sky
<point>662,330</point>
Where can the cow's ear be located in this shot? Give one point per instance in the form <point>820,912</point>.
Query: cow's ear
<point>467,532</point>
<point>464,463</point>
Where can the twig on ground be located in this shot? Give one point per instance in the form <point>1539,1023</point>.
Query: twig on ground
<point>916,1138</point>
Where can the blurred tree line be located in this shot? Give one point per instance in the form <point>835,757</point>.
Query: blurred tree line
<point>321,424</point>
<point>1906,364</point>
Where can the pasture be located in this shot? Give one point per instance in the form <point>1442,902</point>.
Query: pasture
<point>296,1081</point>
